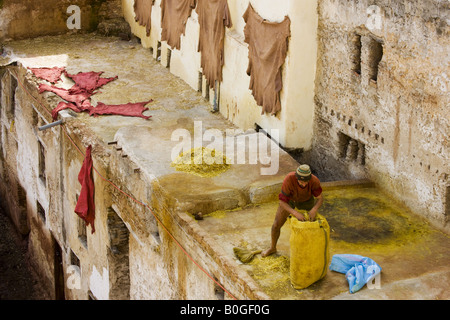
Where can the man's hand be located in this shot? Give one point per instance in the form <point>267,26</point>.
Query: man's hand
<point>312,215</point>
<point>298,215</point>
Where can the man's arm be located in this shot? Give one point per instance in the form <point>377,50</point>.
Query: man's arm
<point>313,212</point>
<point>294,212</point>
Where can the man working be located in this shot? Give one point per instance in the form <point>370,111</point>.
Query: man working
<point>299,190</point>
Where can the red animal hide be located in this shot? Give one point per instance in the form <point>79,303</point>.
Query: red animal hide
<point>85,207</point>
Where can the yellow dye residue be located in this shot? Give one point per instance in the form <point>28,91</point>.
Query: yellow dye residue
<point>272,273</point>
<point>202,162</point>
<point>220,214</point>
<point>366,220</point>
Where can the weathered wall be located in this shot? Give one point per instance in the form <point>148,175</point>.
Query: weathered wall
<point>393,130</point>
<point>21,19</point>
<point>30,191</point>
<point>233,98</point>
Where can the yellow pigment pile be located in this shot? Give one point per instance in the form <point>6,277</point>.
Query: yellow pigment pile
<point>202,162</point>
<point>271,272</point>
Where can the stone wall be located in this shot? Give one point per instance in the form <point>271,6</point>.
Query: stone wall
<point>382,99</point>
<point>21,19</point>
<point>31,189</point>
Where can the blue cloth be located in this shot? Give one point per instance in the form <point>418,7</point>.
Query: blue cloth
<point>358,270</point>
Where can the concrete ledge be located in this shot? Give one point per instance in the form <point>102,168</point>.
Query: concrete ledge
<point>333,185</point>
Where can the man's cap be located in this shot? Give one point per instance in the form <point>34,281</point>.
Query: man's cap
<point>303,172</point>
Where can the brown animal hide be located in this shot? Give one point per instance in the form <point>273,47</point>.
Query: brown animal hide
<point>268,45</point>
<point>213,16</point>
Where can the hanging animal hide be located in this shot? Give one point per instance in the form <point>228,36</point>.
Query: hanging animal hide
<point>213,16</point>
<point>143,13</point>
<point>174,16</point>
<point>268,45</point>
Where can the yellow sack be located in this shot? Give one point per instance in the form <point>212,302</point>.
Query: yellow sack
<point>310,253</point>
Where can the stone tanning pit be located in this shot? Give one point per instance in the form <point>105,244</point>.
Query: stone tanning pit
<point>363,221</point>
<point>141,88</point>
